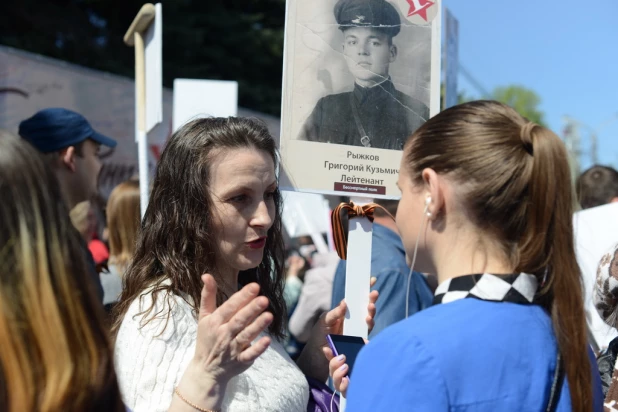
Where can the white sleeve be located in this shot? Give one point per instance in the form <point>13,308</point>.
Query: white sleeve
<point>150,359</point>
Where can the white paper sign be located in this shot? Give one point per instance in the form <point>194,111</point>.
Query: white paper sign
<point>596,233</point>
<point>305,213</point>
<point>154,70</point>
<point>203,98</point>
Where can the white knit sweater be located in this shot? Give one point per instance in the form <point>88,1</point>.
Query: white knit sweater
<point>151,360</point>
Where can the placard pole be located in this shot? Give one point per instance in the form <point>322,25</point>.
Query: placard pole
<point>140,119</point>
<point>358,276</point>
<point>135,37</point>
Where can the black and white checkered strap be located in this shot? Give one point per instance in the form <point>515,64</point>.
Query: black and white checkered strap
<point>516,288</point>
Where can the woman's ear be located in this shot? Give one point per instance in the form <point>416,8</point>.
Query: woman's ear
<point>433,188</point>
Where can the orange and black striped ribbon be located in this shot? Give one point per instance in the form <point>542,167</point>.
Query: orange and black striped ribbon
<point>339,231</point>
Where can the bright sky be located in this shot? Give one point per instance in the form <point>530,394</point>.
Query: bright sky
<point>564,50</point>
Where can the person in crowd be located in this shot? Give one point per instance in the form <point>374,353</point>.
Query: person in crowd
<point>215,208</point>
<point>487,199</point>
<point>597,186</point>
<point>306,249</point>
<point>296,267</point>
<point>315,295</point>
<point>56,353</point>
<point>85,221</point>
<point>81,220</point>
<point>123,220</point>
<point>399,289</point>
<point>71,146</point>
<point>605,297</point>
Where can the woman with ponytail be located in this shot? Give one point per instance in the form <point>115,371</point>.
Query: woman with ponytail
<point>486,206</point>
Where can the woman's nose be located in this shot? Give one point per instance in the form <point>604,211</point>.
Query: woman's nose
<point>262,216</point>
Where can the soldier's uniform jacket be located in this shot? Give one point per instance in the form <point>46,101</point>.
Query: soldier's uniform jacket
<point>385,116</point>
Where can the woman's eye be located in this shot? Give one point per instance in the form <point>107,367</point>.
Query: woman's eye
<point>238,199</point>
<point>270,195</point>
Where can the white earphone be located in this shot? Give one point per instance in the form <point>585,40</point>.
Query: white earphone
<point>427,203</point>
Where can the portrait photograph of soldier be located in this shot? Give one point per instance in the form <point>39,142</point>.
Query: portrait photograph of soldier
<point>382,66</point>
<point>359,77</point>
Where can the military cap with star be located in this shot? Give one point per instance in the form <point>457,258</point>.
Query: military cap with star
<point>378,14</point>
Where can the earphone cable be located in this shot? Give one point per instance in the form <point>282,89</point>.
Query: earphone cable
<point>332,398</point>
<point>418,238</point>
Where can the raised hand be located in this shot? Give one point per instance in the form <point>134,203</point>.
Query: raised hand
<point>337,368</point>
<point>332,322</point>
<point>224,345</point>
<point>312,362</point>
<point>224,334</point>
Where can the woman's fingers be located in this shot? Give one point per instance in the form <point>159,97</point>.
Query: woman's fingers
<point>338,374</point>
<point>372,281</point>
<point>336,314</point>
<point>236,302</point>
<point>370,323</point>
<point>208,300</point>
<point>247,335</point>
<point>254,351</point>
<point>335,363</point>
<point>246,315</point>
<point>371,314</point>
<point>343,387</point>
<point>373,296</point>
<point>371,310</point>
<point>327,352</point>
<point>339,370</point>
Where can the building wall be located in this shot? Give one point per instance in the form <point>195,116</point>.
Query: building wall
<point>30,82</point>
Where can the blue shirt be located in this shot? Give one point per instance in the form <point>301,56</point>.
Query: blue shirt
<point>467,355</point>
<point>388,265</point>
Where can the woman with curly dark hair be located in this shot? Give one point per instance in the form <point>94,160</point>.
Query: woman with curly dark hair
<point>215,209</point>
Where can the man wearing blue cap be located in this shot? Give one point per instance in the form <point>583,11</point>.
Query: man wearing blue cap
<point>71,146</point>
<point>375,113</point>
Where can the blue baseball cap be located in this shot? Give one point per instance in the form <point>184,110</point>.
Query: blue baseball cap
<point>54,129</point>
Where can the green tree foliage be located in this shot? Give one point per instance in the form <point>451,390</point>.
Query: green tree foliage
<point>203,39</point>
<point>214,39</point>
<point>524,100</point>
<point>461,96</point>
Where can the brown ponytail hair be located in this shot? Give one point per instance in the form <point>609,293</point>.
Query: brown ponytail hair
<point>518,191</point>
